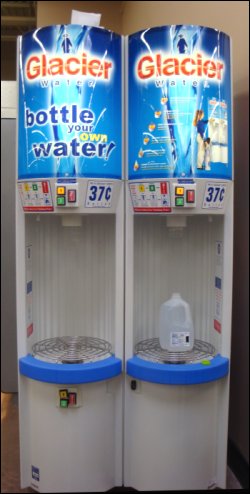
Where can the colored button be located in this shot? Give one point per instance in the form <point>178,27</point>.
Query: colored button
<point>71,195</point>
<point>179,201</point>
<point>164,189</point>
<point>45,187</point>
<point>61,191</point>
<point>179,191</point>
<point>34,187</point>
<point>72,399</point>
<point>63,393</point>
<point>61,201</point>
<point>152,188</point>
<point>64,403</point>
<point>190,196</point>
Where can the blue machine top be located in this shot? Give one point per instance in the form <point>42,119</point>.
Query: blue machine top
<point>69,114</point>
<point>179,104</point>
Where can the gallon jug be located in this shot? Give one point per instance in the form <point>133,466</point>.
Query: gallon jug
<point>176,331</point>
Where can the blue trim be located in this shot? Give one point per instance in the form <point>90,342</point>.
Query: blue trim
<point>178,373</point>
<point>69,373</point>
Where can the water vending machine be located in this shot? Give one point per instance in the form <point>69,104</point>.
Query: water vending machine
<point>70,258</point>
<point>179,237</point>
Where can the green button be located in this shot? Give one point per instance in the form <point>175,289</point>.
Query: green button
<point>64,403</point>
<point>179,201</point>
<point>61,201</point>
<point>34,187</point>
<point>206,362</point>
<point>152,188</point>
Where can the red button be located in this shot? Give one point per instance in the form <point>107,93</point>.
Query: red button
<point>45,187</point>
<point>190,196</point>
<point>72,398</point>
<point>164,188</point>
<point>71,195</point>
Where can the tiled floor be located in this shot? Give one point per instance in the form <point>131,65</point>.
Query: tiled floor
<point>10,480</point>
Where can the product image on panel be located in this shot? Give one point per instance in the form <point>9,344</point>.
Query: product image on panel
<point>179,92</point>
<point>179,237</point>
<point>69,218</point>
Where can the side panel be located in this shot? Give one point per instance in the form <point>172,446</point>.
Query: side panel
<point>8,270</point>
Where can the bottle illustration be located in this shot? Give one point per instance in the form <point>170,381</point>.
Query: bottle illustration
<point>176,330</point>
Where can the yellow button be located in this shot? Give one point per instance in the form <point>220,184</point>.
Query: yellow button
<point>61,190</point>
<point>63,393</point>
<point>141,188</point>
<point>179,191</point>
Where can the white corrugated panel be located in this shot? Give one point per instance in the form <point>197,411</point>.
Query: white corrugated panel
<point>168,261</point>
<point>73,274</point>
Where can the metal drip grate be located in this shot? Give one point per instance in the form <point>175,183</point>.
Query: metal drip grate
<point>72,350</point>
<point>151,350</point>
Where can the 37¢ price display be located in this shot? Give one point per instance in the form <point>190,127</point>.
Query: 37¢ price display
<point>214,196</point>
<point>99,194</point>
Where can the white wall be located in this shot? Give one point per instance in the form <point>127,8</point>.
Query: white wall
<point>229,17</point>
<point>49,13</point>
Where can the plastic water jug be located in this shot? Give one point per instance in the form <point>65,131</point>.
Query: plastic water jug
<point>176,330</point>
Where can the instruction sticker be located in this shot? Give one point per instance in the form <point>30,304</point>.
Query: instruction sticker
<point>218,285</point>
<point>36,196</point>
<point>150,197</point>
<point>35,473</point>
<point>29,289</point>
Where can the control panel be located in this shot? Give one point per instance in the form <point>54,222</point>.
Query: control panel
<point>63,196</point>
<point>184,195</point>
<point>66,195</point>
<point>68,398</point>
